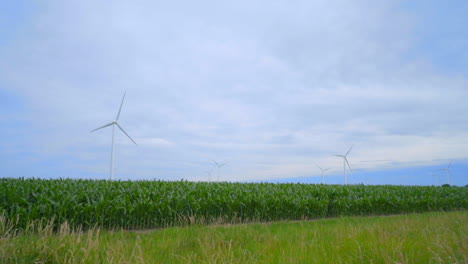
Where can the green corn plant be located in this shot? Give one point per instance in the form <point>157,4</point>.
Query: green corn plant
<point>149,204</point>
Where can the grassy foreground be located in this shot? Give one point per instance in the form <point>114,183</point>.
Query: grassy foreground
<point>435,237</point>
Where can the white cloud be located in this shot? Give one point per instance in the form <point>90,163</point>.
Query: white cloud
<point>155,142</point>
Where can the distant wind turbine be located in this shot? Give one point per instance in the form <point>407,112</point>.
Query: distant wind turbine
<point>447,170</point>
<point>219,165</point>
<point>322,170</point>
<point>436,176</point>
<point>113,124</point>
<point>209,175</point>
<point>345,162</point>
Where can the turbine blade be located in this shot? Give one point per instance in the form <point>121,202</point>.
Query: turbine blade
<point>106,125</point>
<point>216,163</point>
<point>348,164</point>
<point>341,156</point>
<point>326,169</point>
<point>349,150</point>
<point>222,164</point>
<point>450,164</point>
<point>125,133</point>
<point>120,109</point>
<point>317,166</point>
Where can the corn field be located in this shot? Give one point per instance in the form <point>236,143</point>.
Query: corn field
<point>151,204</point>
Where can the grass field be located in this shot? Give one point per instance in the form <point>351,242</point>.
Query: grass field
<point>435,237</point>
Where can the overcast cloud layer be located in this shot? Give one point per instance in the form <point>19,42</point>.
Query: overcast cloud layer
<point>270,87</point>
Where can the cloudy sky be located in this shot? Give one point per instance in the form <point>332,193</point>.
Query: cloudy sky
<point>269,87</point>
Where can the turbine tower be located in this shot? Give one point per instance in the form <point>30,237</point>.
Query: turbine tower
<point>447,170</point>
<point>113,124</point>
<point>219,165</point>
<point>345,162</point>
<point>322,170</point>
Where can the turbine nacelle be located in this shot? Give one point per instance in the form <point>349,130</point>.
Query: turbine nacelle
<point>219,164</point>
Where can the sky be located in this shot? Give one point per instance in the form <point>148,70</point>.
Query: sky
<point>271,88</point>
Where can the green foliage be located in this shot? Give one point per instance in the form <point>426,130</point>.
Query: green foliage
<point>436,237</point>
<point>149,204</point>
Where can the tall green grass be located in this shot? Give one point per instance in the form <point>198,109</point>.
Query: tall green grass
<point>435,237</point>
<point>149,204</point>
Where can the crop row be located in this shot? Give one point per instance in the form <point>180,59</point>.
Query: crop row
<point>149,204</point>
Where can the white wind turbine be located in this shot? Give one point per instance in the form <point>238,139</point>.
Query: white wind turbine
<point>209,174</point>
<point>447,170</point>
<point>323,171</point>
<point>219,165</point>
<point>113,124</point>
<point>345,162</point>
<point>436,176</point>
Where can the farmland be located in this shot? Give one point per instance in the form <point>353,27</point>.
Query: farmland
<point>154,204</point>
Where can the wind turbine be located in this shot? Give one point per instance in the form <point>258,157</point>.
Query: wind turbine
<point>209,175</point>
<point>447,170</point>
<point>219,165</point>
<point>113,124</point>
<point>345,161</point>
<point>436,176</point>
<point>323,170</point>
